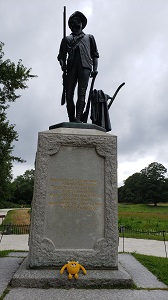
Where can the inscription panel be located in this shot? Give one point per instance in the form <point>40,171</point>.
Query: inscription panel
<point>75,194</point>
<point>74,216</point>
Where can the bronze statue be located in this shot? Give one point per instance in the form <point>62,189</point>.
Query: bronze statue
<point>79,66</point>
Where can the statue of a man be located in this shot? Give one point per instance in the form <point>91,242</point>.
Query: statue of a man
<point>81,64</point>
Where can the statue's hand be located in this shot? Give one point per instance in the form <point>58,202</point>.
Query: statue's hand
<point>93,73</point>
<point>63,67</point>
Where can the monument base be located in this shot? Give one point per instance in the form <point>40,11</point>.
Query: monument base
<point>51,278</point>
<point>74,208</point>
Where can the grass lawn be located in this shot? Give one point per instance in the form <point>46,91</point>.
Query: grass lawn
<point>157,265</point>
<point>18,217</point>
<point>133,216</point>
<point>4,253</point>
<point>144,217</point>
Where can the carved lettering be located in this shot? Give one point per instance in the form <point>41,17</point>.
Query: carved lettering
<point>76,194</point>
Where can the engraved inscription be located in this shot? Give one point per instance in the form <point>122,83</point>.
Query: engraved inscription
<point>74,194</point>
<point>75,198</point>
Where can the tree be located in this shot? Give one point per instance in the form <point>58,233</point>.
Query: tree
<point>133,189</point>
<point>165,191</point>
<point>155,182</point>
<point>13,77</point>
<point>148,186</point>
<point>155,171</point>
<point>22,188</point>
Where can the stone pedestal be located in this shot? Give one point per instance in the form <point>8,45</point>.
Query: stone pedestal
<point>74,209</point>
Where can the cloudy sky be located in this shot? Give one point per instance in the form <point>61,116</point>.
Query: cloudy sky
<point>132,40</point>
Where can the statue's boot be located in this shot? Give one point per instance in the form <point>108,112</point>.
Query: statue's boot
<point>71,111</point>
<point>79,111</point>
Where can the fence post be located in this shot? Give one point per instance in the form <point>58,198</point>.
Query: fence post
<point>122,230</point>
<point>14,229</point>
<point>164,242</point>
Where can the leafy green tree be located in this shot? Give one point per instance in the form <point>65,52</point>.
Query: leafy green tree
<point>148,186</point>
<point>165,191</point>
<point>13,77</point>
<point>133,189</point>
<point>155,172</point>
<point>155,182</point>
<point>22,188</point>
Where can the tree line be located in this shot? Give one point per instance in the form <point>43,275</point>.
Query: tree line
<point>150,185</point>
<point>13,78</point>
<point>21,188</point>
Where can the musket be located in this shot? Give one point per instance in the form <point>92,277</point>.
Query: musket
<point>115,94</point>
<point>86,113</point>
<point>64,75</point>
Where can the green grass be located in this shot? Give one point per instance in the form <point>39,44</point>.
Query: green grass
<point>157,265</point>
<point>145,218</point>
<point>162,208</point>
<point>18,216</point>
<point>133,216</point>
<point>4,253</point>
<point>145,236</point>
<point>4,293</point>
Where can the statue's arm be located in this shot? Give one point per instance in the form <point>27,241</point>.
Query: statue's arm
<point>61,54</point>
<point>94,54</point>
<point>95,64</point>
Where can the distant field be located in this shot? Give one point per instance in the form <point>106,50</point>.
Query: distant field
<point>162,207</point>
<point>144,217</point>
<point>133,216</point>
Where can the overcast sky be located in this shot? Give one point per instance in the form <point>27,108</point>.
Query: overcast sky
<point>132,40</point>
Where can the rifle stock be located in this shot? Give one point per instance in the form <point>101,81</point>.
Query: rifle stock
<point>63,98</point>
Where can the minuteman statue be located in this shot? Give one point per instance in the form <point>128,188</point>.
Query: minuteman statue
<point>81,63</point>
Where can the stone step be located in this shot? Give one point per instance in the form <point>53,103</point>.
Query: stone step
<point>51,278</point>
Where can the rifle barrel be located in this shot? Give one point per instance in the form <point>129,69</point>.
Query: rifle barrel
<point>63,99</point>
<point>64,22</point>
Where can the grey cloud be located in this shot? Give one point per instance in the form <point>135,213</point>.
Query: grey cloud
<point>132,40</point>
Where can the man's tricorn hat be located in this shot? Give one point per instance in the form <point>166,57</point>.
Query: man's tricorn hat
<point>80,15</point>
